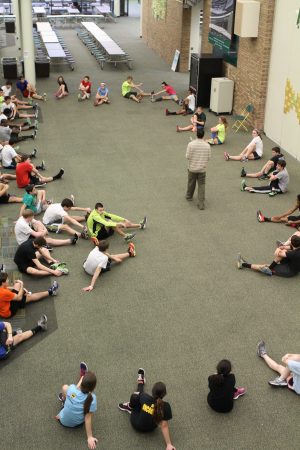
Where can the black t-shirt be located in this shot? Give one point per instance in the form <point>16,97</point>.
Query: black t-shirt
<point>276,158</point>
<point>24,255</point>
<point>142,419</point>
<point>65,85</point>
<point>293,258</point>
<point>201,118</point>
<point>220,397</point>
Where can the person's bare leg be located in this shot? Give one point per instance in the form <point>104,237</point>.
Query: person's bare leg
<point>134,98</point>
<point>120,231</point>
<point>22,337</point>
<point>68,229</point>
<point>79,218</point>
<point>58,242</point>
<point>37,97</point>
<point>236,158</point>
<point>46,179</point>
<point>283,371</point>
<point>254,175</point>
<point>121,256</point>
<point>257,267</point>
<point>36,296</point>
<point>131,224</point>
<point>14,199</point>
<point>188,128</point>
<point>45,254</point>
<point>279,219</point>
<point>37,272</point>
<point>8,176</point>
<point>41,196</point>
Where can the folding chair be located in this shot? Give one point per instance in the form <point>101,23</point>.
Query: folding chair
<point>242,118</point>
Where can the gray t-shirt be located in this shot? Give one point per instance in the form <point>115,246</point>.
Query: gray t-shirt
<point>5,133</point>
<point>283,179</point>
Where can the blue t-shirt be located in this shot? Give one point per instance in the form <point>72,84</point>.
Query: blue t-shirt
<point>3,337</point>
<point>102,92</point>
<point>22,85</point>
<point>72,413</point>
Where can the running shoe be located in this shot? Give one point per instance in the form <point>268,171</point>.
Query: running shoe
<point>239,392</point>
<point>83,368</point>
<point>273,193</point>
<point>243,185</point>
<point>53,288</point>
<point>240,261</point>
<point>278,382</point>
<point>74,239</point>
<point>45,96</point>
<point>266,270</point>
<point>261,349</point>
<point>42,322</point>
<point>129,236</point>
<point>131,250</point>
<point>33,154</point>
<point>243,172</point>
<point>143,223</point>
<point>260,216</point>
<point>125,407</point>
<point>226,156</point>
<point>167,112</point>
<point>72,198</point>
<point>84,233</point>
<point>141,376</point>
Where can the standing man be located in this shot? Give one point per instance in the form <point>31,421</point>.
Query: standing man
<point>198,154</point>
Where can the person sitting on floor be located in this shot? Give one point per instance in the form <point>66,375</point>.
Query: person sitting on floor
<point>27,173</point>
<point>287,218</point>
<point>9,339</point>
<point>14,113</point>
<point>128,90</point>
<point>57,218</point>
<point>218,132</point>
<point>101,95</point>
<point>28,90</point>
<point>268,168</point>
<point>197,121</point>
<point>79,403</point>
<point>62,90</point>
<point>99,261</point>
<point>289,374</point>
<point>222,390</point>
<point>252,151</point>
<point>34,199</point>
<point>12,135</point>
<point>188,106</point>
<point>166,89</point>
<point>85,88</point>
<point>27,227</point>
<point>9,157</point>
<point>102,224</point>
<point>286,263</point>
<point>279,181</point>
<point>17,297</point>
<point>5,197</point>
<point>147,412</point>
<point>28,255</point>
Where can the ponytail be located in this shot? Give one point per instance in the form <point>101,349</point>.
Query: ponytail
<point>88,384</point>
<point>223,370</point>
<point>159,391</point>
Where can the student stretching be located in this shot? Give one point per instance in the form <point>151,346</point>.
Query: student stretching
<point>149,411</point>
<point>222,388</point>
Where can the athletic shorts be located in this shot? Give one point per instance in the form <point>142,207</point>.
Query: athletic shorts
<point>130,93</point>
<point>283,270</point>
<point>173,97</point>
<point>291,218</point>
<point>4,198</point>
<point>15,305</point>
<point>34,180</point>
<point>55,226</point>
<point>256,156</point>
<point>104,233</point>
<point>12,166</point>
<point>189,111</point>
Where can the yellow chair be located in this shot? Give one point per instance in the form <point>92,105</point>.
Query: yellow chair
<point>242,118</point>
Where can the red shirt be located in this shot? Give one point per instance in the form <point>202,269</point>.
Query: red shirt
<point>6,296</point>
<point>23,171</point>
<point>170,90</point>
<point>87,84</point>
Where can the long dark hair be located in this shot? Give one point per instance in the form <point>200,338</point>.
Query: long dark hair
<point>223,370</point>
<point>88,384</point>
<point>158,392</point>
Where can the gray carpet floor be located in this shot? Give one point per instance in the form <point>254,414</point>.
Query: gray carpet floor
<point>177,308</point>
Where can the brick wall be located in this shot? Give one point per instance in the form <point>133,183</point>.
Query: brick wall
<point>251,74</point>
<point>167,35</point>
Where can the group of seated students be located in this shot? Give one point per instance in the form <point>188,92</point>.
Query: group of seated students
<point>34,252</point>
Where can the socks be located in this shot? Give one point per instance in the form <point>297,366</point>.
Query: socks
<point>171,113</point>
<point>37,328</point>
<point>246,265</point>
<point>268,219</point>
<point>158,99</point>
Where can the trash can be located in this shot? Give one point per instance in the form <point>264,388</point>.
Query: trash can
<point>42,68</point>
<point>10,27</point>
<point>10,68</point>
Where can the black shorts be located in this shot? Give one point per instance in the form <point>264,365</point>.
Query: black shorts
<point>130,93</point>
<point>15,305</point>
<point>104,233</point>
<point>34,180</point>
<point>291,218</point>
<point>283,270</point>
<point>4,198</point>
<point>23,267</point>
<point>256,156</point>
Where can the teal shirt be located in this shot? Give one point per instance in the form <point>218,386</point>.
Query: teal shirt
<point>30,202</point>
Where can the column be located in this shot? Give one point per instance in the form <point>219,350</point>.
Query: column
<point>117,8</point>
<point>141,18</point>
<point>27,40</point>
<point>16,12</point>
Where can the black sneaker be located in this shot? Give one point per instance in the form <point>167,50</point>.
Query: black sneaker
<point>125,407</point>
<point>141,376</point>
<point>243,172</point>
<point>33,136</point>
<point>39,185</point>
<point>33,154</point>
<point>74,239</point>
<point>42,166</point>
<point>60,174</point>
<point>264,176</point>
